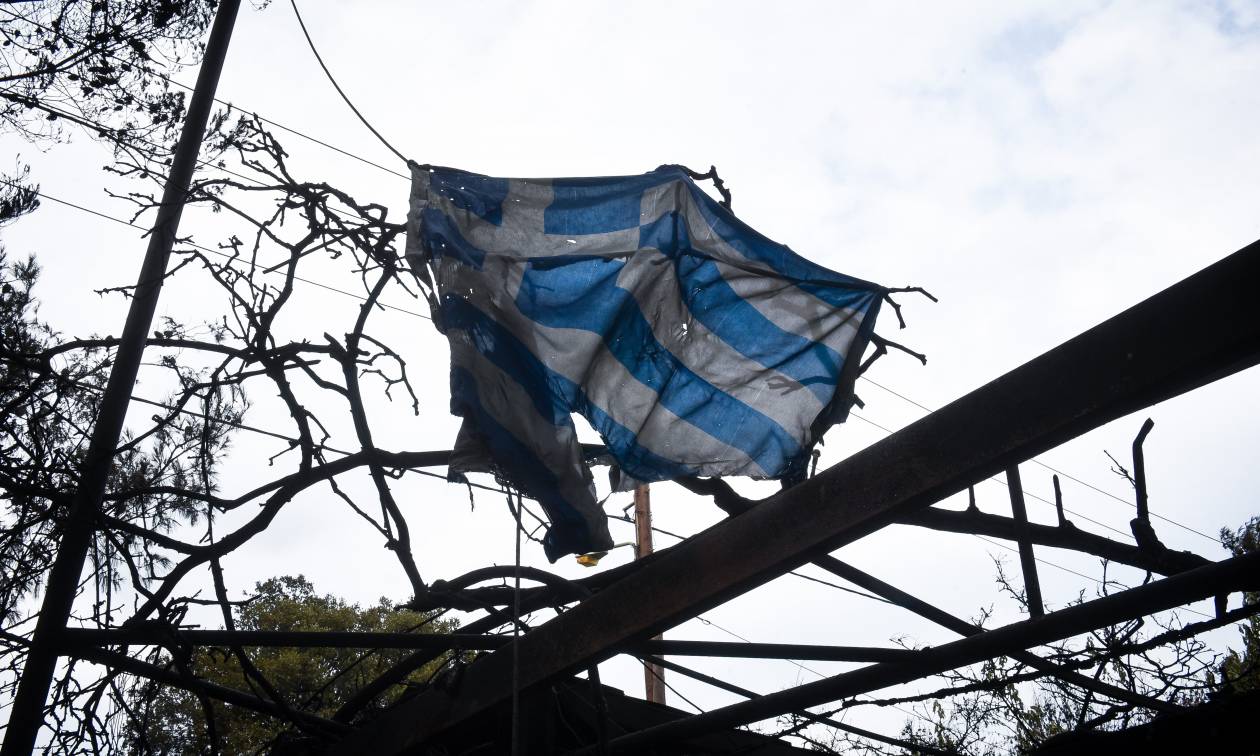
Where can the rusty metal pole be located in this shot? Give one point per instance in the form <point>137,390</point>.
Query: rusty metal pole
<point>26,714</point>
<point>653,674</point>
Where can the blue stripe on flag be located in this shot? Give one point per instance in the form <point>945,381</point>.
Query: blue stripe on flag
<point>554,395</point>
<point>715,304</point>
<point>482,196</point>
<point>736,322</point>
<point>806,274</point>
<point>442,238</point>
<point>584,294</point>
<point>599,205</point>
<point>551,397</point>
<point>568,532</point>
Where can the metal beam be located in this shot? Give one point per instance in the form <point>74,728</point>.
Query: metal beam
<point>125,663</point>
<point>963,627</point>
<point>77,638</point>
<point>1230,574</point>
<point>769,651</point>
<point>1115,368</point>
<point>811,716</point>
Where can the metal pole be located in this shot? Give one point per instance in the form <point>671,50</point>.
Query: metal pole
<point>653,674</point>
<point>75,640</point>
<point>801,651</point>
<point>1027,562</point>
<point>26,715</point>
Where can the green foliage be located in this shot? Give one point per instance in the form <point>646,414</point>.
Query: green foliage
<point>1240,670</point>
<point>313,680</point>
<point>998,720</point>
<point>994,713</point>
<point>96,62</point>
<point>48,402</point>
<point>44,406</point>
<point>16,197</point>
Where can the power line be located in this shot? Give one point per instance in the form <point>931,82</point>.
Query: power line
<point>796,663</point>
<point>1008,548</point>
<point>332,80</point>
<point>793,573</point>
<point>995,479</point>
<point>253,429</point>
<point>1052,469</point>
<point>117,139</point>
<point>174,82</point>
<point>139,143</point>
<point>232,260</point>
<point>1071,571</point>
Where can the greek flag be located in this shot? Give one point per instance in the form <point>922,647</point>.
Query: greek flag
<point>694,345</point>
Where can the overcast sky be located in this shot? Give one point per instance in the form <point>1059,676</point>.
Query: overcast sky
<point>1038,168</point>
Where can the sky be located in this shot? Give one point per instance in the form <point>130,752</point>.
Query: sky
<point>1037,167</point>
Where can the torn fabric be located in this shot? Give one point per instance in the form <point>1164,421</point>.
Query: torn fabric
<point>694,345</point>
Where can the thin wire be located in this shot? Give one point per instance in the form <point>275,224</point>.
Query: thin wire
<point>174,82</point>
<point>1052,469</point>
<point>671,688</point>
<point>1073,572</point>
<point>264,432</point>
<point>224,255</point>
<point>97,128</point>
<point>102,130</point>
<point>815,672</point>
<point>830,584</point>
<point>337,86</point>
<point>1008,548</point>
<point>793,573</point>
<point>995,479</point>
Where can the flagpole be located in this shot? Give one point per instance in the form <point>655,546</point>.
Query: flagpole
<point>653,674</point>
<point>26,714</point>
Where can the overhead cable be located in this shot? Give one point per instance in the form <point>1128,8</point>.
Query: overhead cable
<point>332,80</point>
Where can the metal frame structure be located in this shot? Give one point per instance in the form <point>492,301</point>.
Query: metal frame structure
<point>1197,331</point>
<point>1115,368</point>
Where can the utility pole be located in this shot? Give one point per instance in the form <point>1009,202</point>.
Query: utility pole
<point>653,674</point>
<point>26,714</point>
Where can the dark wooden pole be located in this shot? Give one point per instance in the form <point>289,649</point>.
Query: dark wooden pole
<point>26,715</point>
<point>1027,561</point>
<point>653,674</point>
